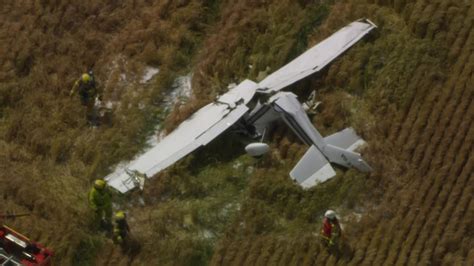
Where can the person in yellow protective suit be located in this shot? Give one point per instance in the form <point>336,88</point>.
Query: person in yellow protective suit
<point>86,87</point>
<point>121,230</point>
<point>100,201</point>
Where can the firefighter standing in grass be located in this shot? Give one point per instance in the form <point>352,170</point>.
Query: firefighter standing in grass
<point>121,230</point>
<point>331,229</point>
<point>87,89</point>
<point>100,200</point>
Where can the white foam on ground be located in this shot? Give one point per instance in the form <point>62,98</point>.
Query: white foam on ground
<point>109,104</point>
<point>148,74</point>
<point>180,92</point>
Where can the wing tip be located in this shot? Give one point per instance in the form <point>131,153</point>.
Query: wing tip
<point>367,21</point>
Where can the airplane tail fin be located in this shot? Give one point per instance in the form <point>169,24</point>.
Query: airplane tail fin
<point>313,168</point>
<point>340,149</point>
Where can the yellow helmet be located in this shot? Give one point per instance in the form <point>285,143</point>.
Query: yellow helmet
<point>99,184</point>
<point>120,215</point>
<point>86,78</point>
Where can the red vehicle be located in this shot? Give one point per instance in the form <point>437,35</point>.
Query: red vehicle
<point>16,249</point>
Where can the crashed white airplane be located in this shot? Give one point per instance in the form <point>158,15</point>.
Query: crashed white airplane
<point>232,110</point>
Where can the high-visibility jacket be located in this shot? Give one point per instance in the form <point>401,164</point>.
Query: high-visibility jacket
<point>100,199</point>
<point>330,229</point>
<point>86,90</point>
<point>121,231</point>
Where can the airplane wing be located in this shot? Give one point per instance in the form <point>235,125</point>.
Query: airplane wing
<point>198,130</point>
<point>317,57</point>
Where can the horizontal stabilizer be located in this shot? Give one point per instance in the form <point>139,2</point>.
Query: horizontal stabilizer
<point>346,139</point>
<point>312,169</point>
<point>346,158</point>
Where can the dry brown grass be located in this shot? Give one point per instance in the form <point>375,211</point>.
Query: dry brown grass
<point>49,155</point>
<point>405,88</point>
